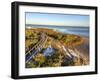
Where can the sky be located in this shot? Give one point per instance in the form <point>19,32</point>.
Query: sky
<point>57,19</point>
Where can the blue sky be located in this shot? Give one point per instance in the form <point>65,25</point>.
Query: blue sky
<point>57,19</point>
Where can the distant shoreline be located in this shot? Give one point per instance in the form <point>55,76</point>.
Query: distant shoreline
<point>81,31</point>
<point>53,25</point>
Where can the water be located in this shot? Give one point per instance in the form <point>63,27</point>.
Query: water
<point>49,51</point>
<point>82,31</point>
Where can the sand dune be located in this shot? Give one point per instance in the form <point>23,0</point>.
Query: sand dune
<point>84,48</point>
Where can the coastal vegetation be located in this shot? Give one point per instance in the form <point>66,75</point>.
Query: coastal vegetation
<point>50,48</point>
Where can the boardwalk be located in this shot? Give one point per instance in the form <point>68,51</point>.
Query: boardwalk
<point>37,48</point>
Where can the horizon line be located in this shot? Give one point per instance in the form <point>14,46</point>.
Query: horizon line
<point>55,25</point>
